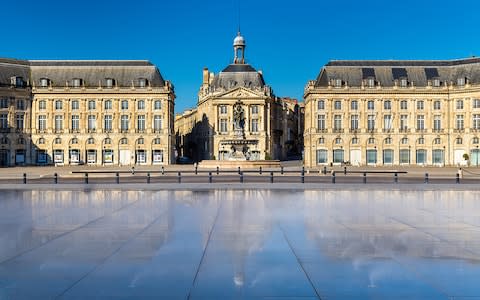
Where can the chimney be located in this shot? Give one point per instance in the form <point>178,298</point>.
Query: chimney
<point>206,76</point>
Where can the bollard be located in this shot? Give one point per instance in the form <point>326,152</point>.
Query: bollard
<point>364,177</point>
<point>281,170</point>
<point>303,175</point>
<point>24,178</point>
<point>148,177</point>
<point>179,177</point>
<point>117,177</point>
<point>344,170</point>
<point>210,177</point>
<point>196,170</point>
<point>395,177</point>
<point>241,176</point>
<point>218,169</point>
<point>324,170</point>
<point>239,170</point>
<point>86,178</point>
<point>163,170</point>
<point>271,177</point>
<point>457,179</point>
<point>260,170</point>
<point>333,177</point>
<point>426,178</point>
<point>55,178</point>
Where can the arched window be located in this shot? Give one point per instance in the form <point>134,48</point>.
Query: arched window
<point>321,140</point>
<point>156,141</point>
<point>107,141</point>
<point>123,141</point>
<point>354,141</point>
<point>91,141</point>
<point>140,141</point>
<point>437,141</point>
<point>21,141</point>
<point>338,141</point>
<point>74,141</point>
<point>421,141</point>
<point>4,141</point>
<point>458,141</point>
<point>371,140</point>
<point>388,141</point>
<point>404,141</point>
<point>475,140</point>
<point>41,141</point>
<point>58,141</point>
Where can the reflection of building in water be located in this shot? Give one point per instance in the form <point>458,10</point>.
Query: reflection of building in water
<point>369,224</point>
<point>245,224</point>
<point>56,212</point>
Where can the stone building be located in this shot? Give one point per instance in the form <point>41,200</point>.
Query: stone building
<point>394,113</point>
<point>94,112</point>
<point>237,117</point>
<point>15,104</point>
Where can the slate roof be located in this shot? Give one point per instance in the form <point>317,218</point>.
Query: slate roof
<point>386,72</point>
<point>13,68</point>
<point>236,75</point>
<point>90,71</point>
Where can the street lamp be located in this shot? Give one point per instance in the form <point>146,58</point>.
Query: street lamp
<point>476,160</point>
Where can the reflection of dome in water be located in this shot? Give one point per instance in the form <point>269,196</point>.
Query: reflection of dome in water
<point>238,279</point>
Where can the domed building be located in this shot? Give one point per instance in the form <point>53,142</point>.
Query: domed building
<point>237,117</point>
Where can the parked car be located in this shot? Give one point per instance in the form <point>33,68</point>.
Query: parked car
<point>184,160</point>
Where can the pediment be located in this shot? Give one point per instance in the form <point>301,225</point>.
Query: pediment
<point>241,93</point>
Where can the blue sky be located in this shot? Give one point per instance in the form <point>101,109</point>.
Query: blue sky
<point>288,40</point>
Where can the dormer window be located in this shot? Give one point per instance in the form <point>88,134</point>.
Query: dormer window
<point>109,82</point>
<point>76,82</point>
<point>436,82</point>
<point>142,82</point>
<point>17,81</point>
<point>44,82</point>
<point>371,82</point>
<point>461,81</point>
<point>403,82</point>
<point>338,83</point>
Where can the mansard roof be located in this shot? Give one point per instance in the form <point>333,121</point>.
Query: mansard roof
<point>386,72</point>
<point>13,68</point>
<point>238,75</point>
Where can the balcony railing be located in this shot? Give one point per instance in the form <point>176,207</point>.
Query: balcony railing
<point>404,130</point>
<point>459,130</point>
<point>420,130</point>
<point>354,130</point>
<point>438,130</point>
<point>322,130</point>
<point>338,130</point>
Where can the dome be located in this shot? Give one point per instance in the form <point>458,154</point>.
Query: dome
<point>239,40</point>
<point>236,75</point>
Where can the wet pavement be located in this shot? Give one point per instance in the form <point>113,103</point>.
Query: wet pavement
<point>251,244</point>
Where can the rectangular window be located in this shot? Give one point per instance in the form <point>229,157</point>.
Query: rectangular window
<point>91,105</point>
<point>420,122</point>
<point>459,104</point>
<point>3,121</point>
<point>254,109</point>
<point>141,122</point>
<point>476,121</point>
<point>476,103</point>
<point>58,104</point>
<point>388,156</point>
<point>404,156</point>
<point>338,104</point>
<point>75,122</point>
<point>107,104</point>
<point>437,122</point>
<point>75,105</point>
<point>322,156</point>
<point>371,156</point>
<point>354,122</point>
<point>459,123</point>
<point>337,122</point>
<point>42,122</point>
<point>58,123</point>
<point>20,121</point>
<point>321,122</point>
<point>420,104</point>
<point>92,122</point>
<point>437,156</point>
<point>157,156</point>
<point>254,125</point>
<point>157,123</point>
<point>222,109</point>
<point>354,105</point>
<point>403,122</point>
<point>157,105</point>
<point>403,104</point>
<point>387,122</point>
<point>421,157</point>
<point>371,122</point>
<point>387,104</point>
<point>20,104</point>
<point>4,103</point>
<point>437,105</point>
<point>141,104</point>
<point>124,104</point>
<point>338,156</point>
<point>124,122</point>
<point>370,105</point>
<point>107,122</point>
<point>223,126</point>
<point>321,104</point>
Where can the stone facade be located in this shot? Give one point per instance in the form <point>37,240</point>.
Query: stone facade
<point>237,117</point>
<point>97,113</point>
<point>394,113</point>
<point>15,113</point>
